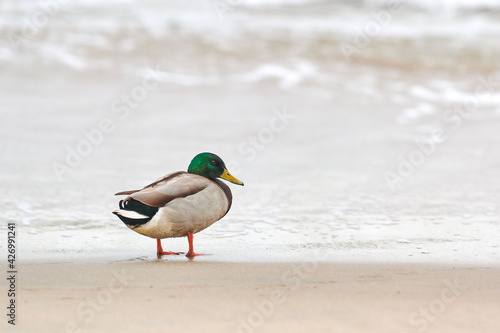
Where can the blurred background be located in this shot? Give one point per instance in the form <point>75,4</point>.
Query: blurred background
<point>364,127</point>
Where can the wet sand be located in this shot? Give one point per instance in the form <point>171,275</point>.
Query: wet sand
<point>171,80</point>
<point>202,296</point>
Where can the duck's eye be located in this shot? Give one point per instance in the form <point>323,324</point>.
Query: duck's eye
<point>213,162</point>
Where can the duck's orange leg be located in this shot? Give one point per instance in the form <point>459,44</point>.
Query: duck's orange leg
<point>191,250</point>
<point>159,249</point>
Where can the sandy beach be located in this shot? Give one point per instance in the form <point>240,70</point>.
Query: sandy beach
<point>362,132</point>
<point>189,296</point>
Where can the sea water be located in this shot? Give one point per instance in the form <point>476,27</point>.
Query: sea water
<point>363,130</point>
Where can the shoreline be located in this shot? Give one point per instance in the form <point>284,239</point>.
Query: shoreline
<point>155,296</point>
<point>470,244</point>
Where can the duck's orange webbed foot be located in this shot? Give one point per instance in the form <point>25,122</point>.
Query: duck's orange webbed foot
<point>191,254</point>
<point>160,252</point>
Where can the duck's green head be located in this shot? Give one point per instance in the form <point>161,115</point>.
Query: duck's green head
<point>211,166</point>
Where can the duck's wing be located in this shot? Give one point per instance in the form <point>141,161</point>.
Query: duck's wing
<point>127,192</point>
<point>172,186</point>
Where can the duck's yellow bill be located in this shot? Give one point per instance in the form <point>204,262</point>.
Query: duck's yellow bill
<point>227,176</point>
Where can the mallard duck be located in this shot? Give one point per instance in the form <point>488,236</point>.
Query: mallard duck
<point>180,203</point>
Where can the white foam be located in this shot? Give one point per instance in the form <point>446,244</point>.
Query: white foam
<point>412,113</point>
<point>187,79</point>
<point>424,93</point>
<point>288,77</point>
<point>443,6</point>
<point>62,55</point>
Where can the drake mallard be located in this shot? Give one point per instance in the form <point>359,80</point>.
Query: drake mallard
<point>180,203</point>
